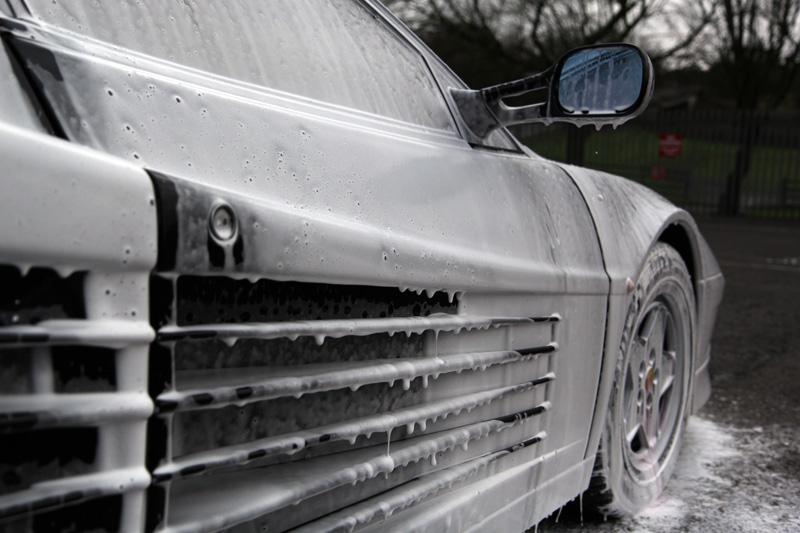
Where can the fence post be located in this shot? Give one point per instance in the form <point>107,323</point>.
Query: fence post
<point>744,154</point>
<point>576,141</point>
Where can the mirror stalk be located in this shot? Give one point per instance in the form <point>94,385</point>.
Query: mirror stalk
<point>484,110</point>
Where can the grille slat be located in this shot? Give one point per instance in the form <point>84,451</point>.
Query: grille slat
<point>107,333</point>
<point>236,497</point>
<point>405,495</point>
<point>53,494</point>
<point>340,328</point>
<point>26,412</point>
<point>241,386</point>
<point>349,431</point>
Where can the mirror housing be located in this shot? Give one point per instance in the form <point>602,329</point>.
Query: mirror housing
<point>598,84</point>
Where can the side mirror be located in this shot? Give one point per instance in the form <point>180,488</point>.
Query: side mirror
<point>602,84</point>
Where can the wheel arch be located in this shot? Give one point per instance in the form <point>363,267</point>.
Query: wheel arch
<point>676,235</point>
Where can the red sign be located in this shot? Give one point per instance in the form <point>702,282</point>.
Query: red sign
<point>670,145</point>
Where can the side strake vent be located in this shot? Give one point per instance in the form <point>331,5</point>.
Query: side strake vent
<point>278,404</point>
<point>73,409</point>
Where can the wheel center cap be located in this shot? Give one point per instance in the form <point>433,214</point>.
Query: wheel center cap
<point>649,380</point>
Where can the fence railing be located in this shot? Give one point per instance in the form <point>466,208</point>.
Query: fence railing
<point>707,161</point>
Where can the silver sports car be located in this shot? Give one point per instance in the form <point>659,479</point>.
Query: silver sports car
<point>270,265</point>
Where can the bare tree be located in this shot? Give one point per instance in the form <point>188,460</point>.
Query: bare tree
<point>489,41</point>
<point>758,51</point>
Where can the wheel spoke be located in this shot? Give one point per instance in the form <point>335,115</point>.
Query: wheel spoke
<point>655,341</point>
<point>668,361</point>
<point>652,419</point>
<point>666,385</point>
<point>630,435</point>
<point>664,357</point>
<point>638,360</point>
<point>653,328</point>
<point>631,402</point>
<point>649,325</point>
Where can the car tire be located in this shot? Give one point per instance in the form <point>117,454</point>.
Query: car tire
<point>649,403</point>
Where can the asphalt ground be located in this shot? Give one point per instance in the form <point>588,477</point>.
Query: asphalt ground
<point>739,469</point>
<point>755,365</point>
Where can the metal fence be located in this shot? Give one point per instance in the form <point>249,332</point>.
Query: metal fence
<point>708,161</point>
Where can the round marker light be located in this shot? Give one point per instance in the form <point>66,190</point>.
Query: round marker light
<point>222,222</point>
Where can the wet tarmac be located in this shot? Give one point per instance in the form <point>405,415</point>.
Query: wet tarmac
<point>739,469</point>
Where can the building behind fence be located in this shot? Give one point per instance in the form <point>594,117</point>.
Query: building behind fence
<point>708,161</point>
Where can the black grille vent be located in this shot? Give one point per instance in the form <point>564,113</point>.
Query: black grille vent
<point>84,369</point>
<point>35,456</point>
<point>40,294</point>
<point>218,300</point>
<point>102,514</point>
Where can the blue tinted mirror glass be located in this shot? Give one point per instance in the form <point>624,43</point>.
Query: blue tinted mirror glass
<point>601,81</point>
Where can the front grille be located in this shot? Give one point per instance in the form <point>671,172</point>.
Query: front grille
<point>73,408</point>
<point>278,404</point>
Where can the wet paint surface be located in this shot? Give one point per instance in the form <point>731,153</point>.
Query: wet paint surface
<point>311,195</point>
